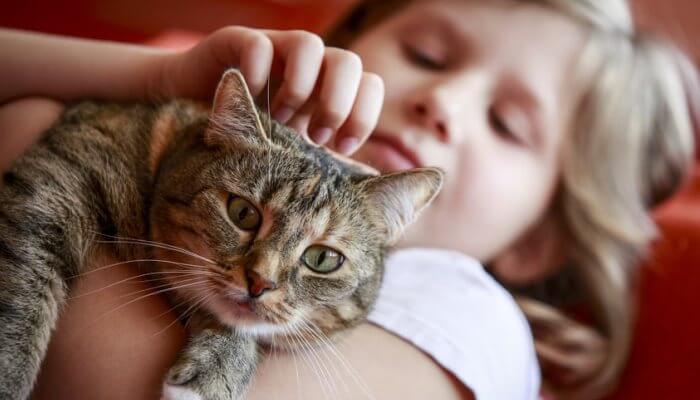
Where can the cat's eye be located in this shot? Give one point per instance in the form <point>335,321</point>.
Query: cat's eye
<point>322,259</point>
<point>243,214</point>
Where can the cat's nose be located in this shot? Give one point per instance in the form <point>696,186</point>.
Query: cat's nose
<point>257,285</point>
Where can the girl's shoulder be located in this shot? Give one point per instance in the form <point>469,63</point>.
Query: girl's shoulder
<point>446,304</point>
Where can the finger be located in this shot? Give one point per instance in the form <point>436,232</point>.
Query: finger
<point>256,60</point>
<point>342,71</point>
<point>363,116</point>
<point>300,121</point>
<point>248,49</point>
<point>302,55</point>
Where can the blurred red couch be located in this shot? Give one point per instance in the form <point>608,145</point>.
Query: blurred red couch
<point>666,353</point>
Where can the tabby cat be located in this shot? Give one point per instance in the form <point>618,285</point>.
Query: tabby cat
<point>258,229</point>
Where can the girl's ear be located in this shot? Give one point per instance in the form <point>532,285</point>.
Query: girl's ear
<point>234,120</point>
<point>535,256</point>
<point>397,199</point>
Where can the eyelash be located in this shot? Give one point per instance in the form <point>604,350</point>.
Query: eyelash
<point>421,59</point>
<point>501,128</point>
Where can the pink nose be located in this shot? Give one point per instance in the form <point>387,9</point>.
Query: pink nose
<point>257,285</point>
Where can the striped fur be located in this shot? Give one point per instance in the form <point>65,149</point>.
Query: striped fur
<point>164,173</point>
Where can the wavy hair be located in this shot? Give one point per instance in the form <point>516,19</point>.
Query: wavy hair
<point>631,148</point>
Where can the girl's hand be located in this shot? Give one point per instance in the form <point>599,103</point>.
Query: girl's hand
<point>323,91</point>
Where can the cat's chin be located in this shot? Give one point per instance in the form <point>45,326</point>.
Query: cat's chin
<point>241,317</point>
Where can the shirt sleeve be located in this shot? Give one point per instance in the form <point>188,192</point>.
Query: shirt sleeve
<point>445,304</point>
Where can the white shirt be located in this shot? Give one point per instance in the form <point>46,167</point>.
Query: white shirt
<point>449,307</point>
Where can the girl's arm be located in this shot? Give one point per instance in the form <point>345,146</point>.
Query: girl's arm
<point>40,65</point>
<point>322,90</point>
<point>104,350</point>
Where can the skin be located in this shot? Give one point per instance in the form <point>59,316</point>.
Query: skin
<point>442,115</point>
<point>460,96</point>
<point>307,73</point>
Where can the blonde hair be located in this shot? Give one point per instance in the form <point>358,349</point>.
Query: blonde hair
<point>630,148</point>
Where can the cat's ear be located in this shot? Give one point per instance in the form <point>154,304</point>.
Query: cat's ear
<point>396,199</point>
<point>234,119</point>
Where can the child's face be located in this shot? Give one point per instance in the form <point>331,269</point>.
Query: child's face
<point>484,90</point>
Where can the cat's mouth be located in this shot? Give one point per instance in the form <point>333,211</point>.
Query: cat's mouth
<point>240,311</point>
<point>243,308</point>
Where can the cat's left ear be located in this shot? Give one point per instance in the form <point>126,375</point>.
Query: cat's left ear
<point>396,199</point>
<point>234,119</point>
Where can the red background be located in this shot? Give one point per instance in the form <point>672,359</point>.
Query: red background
<point>665,359</point>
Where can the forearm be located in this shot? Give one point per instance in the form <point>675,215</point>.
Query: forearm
<point>62,68</point>
<point>113,341</point>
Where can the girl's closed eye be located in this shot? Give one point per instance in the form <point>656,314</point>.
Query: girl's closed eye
<point>423,57</point>
<point>510,123</point>
<point>425,49</point>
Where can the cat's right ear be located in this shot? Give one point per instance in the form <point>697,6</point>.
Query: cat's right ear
<point>234,120</point>
<point>396,199</point>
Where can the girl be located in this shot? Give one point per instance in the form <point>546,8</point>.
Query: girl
<point>558,125</point>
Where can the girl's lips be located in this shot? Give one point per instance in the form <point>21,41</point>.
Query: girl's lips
<point>388,154</point>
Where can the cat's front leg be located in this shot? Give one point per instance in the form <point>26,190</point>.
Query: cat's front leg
<point>29,305</point>
<point>217,364</point>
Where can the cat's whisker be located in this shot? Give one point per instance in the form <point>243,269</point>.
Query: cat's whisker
<point>112,265</point>
<point>166,246</point>
<point>116,264</point>
<point>287,332</point>
<point>313,329</point>
<point>162,285</point>
<point>170,288</point>
<point>172,308</point>
<point>269,134</point>
<point>181,303</point>
<point>134,278</point>
<point>162,246</point>
<point>305,351</point>
<point>331,357</point>
<point>323,368</point>
<point>191,309</point>
<point>198,305</point>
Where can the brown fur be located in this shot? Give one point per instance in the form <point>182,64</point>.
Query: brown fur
<point>155,181</point>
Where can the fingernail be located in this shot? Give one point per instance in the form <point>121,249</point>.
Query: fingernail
<point>347,145</point>
<point>321,135</point>
<point>283,114</point>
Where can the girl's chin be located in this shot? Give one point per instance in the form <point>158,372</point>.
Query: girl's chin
<point>382,157</point>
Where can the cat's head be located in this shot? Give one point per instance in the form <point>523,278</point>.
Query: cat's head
<point>281,233</point>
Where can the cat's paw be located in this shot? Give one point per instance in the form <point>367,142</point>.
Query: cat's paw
<point>183,372</point>
<point>197,379</point>
<point>216,365</point>
<point>172,392</point>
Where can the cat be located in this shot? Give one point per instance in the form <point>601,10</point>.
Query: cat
<point>263,233</point>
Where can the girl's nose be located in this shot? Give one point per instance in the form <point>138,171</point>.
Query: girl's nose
<point>432,118</point>
<point>448,107</point>
<point>434,109</point>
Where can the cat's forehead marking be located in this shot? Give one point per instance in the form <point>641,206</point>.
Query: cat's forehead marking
<point>311,185</point>
<point>361,167</point>
<point>280,195</point>
<point>319,224</point>
<point>268,223</point>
